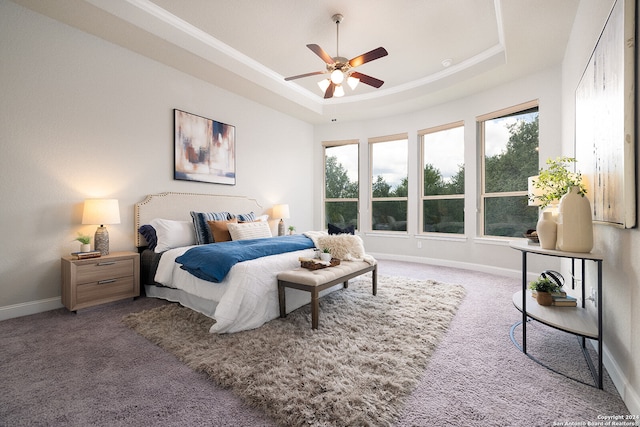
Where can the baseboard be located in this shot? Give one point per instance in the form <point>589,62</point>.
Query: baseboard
<point>28,308</point>
<point>453,264</point>
<point>629,396</point>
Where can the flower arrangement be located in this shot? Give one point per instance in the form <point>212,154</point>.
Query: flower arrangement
<point>557,180</point>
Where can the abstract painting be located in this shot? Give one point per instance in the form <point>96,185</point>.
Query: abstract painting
<point>205,150</point>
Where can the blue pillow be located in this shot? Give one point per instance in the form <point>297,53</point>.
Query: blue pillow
<point>201,227</point>
<point>334,229</point>
<point>249,217</point>
<point>149,234</point>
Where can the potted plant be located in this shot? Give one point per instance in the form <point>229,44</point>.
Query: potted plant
<point>291,229</point>
<point>85,241</point>
<point>543,288</point>
<point>325,255</point>
<point>556,181</point>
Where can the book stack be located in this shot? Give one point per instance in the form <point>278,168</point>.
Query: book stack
<point>86,255</point>
<point>564,300</point>
<point>561,299</point>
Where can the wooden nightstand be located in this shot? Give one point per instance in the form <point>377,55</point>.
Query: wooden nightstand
<point>94,281</point>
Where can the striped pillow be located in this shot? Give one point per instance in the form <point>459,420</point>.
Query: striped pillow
<point>201,227</point>
<point>249,230</point>
<point>249,217</point>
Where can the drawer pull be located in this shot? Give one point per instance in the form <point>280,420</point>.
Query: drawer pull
<point>104,282</point>
<point>106,263</point>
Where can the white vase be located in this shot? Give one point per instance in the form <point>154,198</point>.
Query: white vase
<point>325,257</point>
<point>575,227</point>
<point>85,247</point>
<point>547,230</point>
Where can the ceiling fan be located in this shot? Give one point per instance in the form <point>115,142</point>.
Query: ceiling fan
<point>341,68</point>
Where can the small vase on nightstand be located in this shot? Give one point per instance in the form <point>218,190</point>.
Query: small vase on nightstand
<point>85,247</point>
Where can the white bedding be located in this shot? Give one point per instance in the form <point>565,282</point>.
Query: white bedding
<point>247,298</point>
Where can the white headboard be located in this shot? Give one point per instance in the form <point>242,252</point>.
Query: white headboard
<point>177,206</point>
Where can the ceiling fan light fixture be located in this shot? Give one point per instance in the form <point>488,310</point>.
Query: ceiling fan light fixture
<point>352,82</point>
<point>324,84</point>
<point>339,91</point>
<point>337,76</point>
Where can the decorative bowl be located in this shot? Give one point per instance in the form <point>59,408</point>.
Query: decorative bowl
<point>532,235</point>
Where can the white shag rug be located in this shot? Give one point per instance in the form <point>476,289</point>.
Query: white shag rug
<point>356,369</point>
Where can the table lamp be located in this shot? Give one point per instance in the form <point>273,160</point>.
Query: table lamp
<point>101,211</point>
<point>282,212</point>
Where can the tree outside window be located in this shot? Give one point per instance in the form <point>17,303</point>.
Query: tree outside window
<point>442,206</point>
<point>389,182</point>
<point>510,146</point>
<point>341,184</point>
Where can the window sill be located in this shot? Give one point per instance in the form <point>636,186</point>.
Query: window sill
<point>442,237</point>
<point>397,234</point>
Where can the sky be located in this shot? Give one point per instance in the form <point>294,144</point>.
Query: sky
<point>444,150</point>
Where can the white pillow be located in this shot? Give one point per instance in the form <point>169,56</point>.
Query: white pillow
<point>249,230</point>
<point>173,234</point>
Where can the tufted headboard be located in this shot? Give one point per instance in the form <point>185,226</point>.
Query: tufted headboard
<point>177,206</point>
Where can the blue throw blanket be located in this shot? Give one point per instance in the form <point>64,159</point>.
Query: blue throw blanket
<point>213,261</point>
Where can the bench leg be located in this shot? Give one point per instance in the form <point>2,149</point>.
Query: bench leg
<point>314,309</point>
<point>346,284</point>
<point>374,279</point>
<point>283,304</point>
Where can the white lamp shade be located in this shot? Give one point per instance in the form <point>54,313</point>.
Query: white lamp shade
<point>281,211</point>
<point>339,91</point>
<point>337,76</point>
<point>324,84</point>
<point>101,211</point>
<point>352,82</point>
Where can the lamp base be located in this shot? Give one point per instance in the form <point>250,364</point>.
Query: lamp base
<point>101,240</point>
<point>281,228</point>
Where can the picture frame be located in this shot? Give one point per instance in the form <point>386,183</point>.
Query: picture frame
<point>605,121</point>
<point>204,149</point>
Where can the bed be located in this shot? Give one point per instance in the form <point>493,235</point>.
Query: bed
<point>246,297</point>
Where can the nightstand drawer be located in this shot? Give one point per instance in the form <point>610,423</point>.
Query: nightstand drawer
<point>88,282</point>
<point>106,290</point>
<point>98,270</point>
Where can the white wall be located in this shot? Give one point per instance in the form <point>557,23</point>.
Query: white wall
<point>470,252</point>
<point>81,118</point>
<point>621,275</point>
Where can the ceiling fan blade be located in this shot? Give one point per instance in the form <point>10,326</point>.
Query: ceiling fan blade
<point>367,57</point>
<point>371,81</point>
<point>299,76</point>
<point>329,92</point>
<point>321,53</point>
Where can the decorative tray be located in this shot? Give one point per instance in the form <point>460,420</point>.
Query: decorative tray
<point>316,264</point>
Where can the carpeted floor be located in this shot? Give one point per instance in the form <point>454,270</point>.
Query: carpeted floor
<point>90,369</point>
<point>355,369</point>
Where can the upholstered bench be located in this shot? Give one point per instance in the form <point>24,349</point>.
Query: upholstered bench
<point>315,281</point>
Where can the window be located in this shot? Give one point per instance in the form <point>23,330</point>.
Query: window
<point>389,182</point>
<point>509,141</point>
<point>442,206</point>
<point>341,183</point>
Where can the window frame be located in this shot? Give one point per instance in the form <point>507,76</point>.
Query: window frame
<point>481,129</point>
<point>375,140</point>
<point>423,198</point>
<point>330,144</point>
